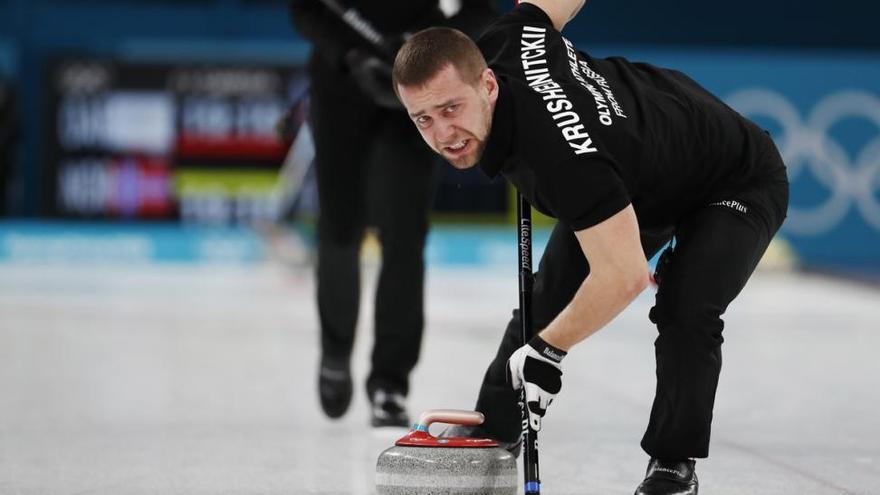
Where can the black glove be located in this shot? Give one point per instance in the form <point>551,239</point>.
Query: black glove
<point>373,77</point>
<point>537,367</point>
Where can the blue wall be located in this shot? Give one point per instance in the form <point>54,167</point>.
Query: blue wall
<point>35,30</point>
<point>809,71</point>
<point>31,31</point>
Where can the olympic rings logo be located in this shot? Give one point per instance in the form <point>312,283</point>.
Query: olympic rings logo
<point>807,145</point>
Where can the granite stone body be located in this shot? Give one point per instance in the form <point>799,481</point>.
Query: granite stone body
<point>404,470</point>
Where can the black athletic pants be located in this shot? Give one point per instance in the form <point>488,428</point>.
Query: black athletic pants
<point>372,166</point>
<point>716,248</point>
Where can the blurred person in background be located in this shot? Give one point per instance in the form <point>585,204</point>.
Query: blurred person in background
<point>371,169</point>
<point>7,137</point>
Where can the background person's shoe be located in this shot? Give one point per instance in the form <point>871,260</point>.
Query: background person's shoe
<point>669,478</point>
<point>478,432</point>
<point>334,387</point>
<point>388,409</point>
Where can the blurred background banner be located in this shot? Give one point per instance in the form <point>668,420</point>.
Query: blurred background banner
<point>168,141</point>
<point>152,116</point>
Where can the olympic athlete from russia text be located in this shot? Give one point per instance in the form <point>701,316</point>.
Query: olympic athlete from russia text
<point>626,156</point>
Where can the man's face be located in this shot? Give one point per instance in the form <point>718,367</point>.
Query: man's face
<point>454,117</point>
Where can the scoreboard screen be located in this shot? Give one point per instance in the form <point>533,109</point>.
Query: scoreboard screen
<point>166,141</point>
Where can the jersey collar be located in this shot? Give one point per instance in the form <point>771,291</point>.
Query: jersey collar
<point>500,140</point>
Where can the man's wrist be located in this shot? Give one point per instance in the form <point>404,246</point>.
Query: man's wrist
<point>547,350</point>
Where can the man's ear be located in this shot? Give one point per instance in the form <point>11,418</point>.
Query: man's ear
<point>488,80</point>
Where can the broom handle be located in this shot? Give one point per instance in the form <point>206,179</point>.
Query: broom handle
<point>531,472</point>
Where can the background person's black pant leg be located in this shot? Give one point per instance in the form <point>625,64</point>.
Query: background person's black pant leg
<point>716,251</point>
<point>342,124</point>
<point>400,198</point>
<point>560,273</point>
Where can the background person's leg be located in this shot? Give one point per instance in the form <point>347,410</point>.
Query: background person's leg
<point>341,145</point>
<point>401,175</point>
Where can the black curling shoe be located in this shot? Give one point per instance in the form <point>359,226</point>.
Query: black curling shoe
<point>388,409</point>
<point>334,387</point>
<point>669,478</point>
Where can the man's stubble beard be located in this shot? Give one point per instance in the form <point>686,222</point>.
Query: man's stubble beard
<point>470,160</point>
<point>474,158</point>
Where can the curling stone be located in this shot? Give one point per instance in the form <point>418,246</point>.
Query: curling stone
<point>421,464</point>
